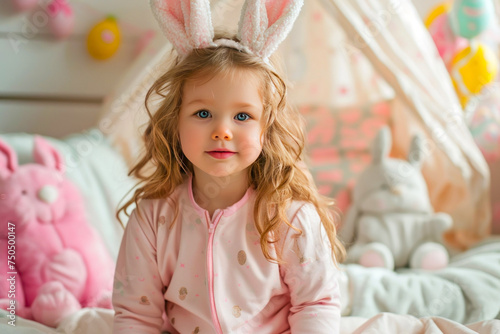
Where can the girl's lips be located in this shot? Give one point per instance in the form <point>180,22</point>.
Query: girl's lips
<point>221,154</point>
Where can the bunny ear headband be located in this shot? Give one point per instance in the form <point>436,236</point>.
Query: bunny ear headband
<point>263,25</point>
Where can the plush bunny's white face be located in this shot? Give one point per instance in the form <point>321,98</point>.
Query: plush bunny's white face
<point>394,186</point>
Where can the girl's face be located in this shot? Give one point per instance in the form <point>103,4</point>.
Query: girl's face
<point>221,123</point>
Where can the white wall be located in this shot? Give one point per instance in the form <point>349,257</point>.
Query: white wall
<point>54,87</point>
<point>424,7</point>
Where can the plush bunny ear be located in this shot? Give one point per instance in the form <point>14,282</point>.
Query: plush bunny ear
<point>45,154</point>
<point>264,24</point>
<point>187,24</point>
<point>415,156</point>
<point>381,145</point>
<point>8,160</point>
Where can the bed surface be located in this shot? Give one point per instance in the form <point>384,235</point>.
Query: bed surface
<point>91,321</point>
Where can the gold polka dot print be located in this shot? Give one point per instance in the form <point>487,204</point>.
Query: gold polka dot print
<point>162,220</point>
<point>183,293</point>
<point>242,257</point>
<point>236,311</point>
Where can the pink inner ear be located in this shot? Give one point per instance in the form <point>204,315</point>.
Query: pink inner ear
<point>45,154</point>
<point>275,10</point>
<point>174,9</point>
<point>186,23</point>
<point>187,8</point>
<point>8,160</point>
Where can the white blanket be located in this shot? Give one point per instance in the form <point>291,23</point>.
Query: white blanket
<point>466,291</point>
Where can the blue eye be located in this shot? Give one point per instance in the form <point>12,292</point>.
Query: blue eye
<point>203,114</point>
<point>242,117</point>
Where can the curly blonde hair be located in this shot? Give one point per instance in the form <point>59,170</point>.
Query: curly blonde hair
<point>278,175</point>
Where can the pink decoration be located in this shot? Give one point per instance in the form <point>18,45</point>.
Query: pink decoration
<point>59,6</point>
<point>322,123</point>
<point>485,127</point>
<point>371,126</point>
<point>352,143</point>
<point>446,42</point>
<point>24,5</point>
<point>349,133</point>
<point>382,109</point>
<point>331,176</point>
<point>107,36</point>
<point>324,154</point>
<point>61,264</point>
<point>62,18</point>
<point>351,116</point>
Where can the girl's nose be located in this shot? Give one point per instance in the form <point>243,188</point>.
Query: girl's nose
<point>222,133</point>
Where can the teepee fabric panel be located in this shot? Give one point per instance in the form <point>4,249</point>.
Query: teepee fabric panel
<point>393,37</point>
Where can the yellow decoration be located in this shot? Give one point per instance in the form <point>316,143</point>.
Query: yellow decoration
<point>103,39</point>
<point>437,11</point>
<point>471,69</point>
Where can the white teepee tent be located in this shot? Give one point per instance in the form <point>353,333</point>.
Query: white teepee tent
<point>343,55</point>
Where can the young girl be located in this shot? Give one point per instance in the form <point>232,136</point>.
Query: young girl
<point>229,234</point>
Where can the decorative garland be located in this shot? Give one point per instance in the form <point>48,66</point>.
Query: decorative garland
<point>103,39</point>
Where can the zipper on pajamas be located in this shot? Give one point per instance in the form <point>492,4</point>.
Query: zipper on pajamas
<point>211,231</point>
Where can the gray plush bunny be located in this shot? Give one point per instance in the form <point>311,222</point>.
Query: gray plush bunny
<point>391,222</point>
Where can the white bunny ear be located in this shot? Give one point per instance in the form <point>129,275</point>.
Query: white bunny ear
<point>187,24</point>
<point>381,145</point>
<point>264,24</point>
<point>416,154</point>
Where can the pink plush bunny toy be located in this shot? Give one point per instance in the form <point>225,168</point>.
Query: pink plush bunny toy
<point>57,263</point>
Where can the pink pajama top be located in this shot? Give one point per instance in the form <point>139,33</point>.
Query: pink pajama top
<point>209,274</point>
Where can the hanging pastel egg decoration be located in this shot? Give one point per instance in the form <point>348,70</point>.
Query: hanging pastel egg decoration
<point>469,18</point>
<point>24,5</point>
<point>62,18</point>
<point>473,68</point>
<point>485,127</point>
<point>104,39</point>
<point>447,43</point>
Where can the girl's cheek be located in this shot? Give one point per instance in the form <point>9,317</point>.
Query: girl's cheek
<point>255,142</point>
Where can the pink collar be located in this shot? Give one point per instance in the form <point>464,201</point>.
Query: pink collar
<point>225,212</point>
